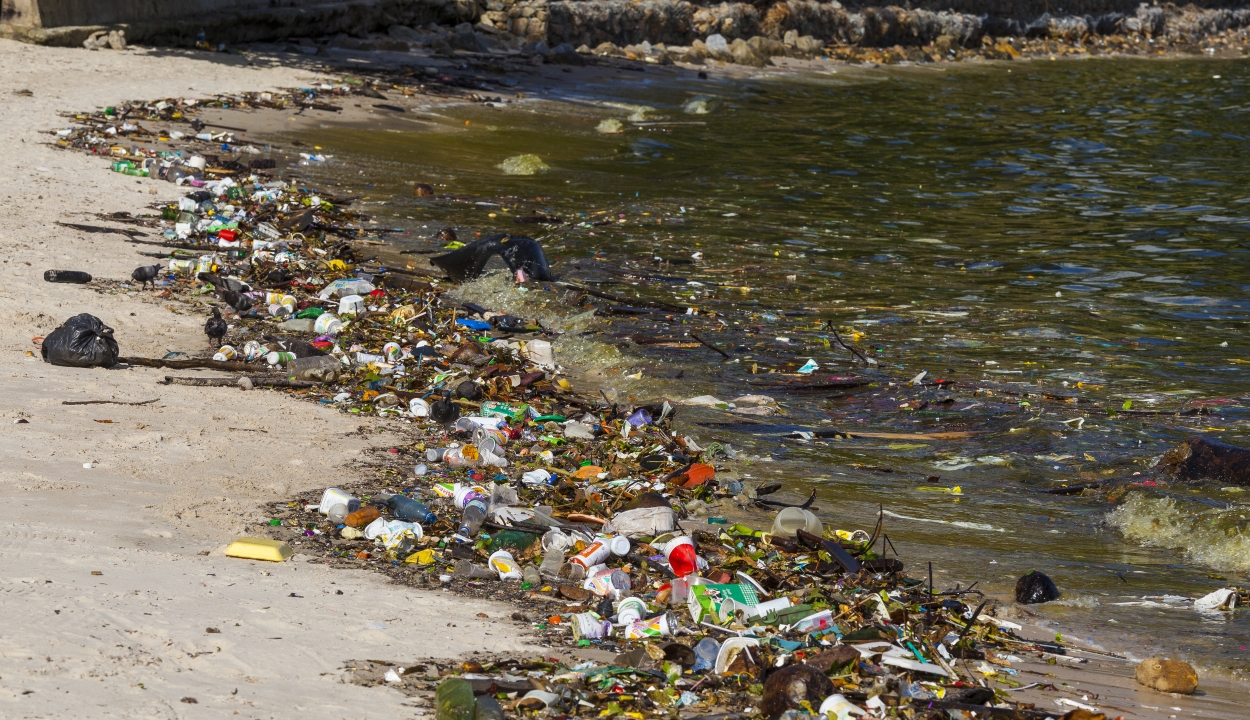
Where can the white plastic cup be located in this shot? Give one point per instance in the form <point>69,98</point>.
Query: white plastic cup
<point>419,408</point>
<point>504,564</point>
<point>227,352</point>
<point>630,609</point>
<point>660,626</point>
<point>351,305</point>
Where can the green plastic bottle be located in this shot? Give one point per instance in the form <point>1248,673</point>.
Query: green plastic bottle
<point>492,408</point>
<point>454,700</point>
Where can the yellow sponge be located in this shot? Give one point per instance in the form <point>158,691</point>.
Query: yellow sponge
<point>260,549</point>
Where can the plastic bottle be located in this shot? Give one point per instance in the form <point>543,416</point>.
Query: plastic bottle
<point>472,517</point>
<point>321,368</point>
<point>405,508</point>
<point>338,513</point>
<point>362,517</point>
<point>551,564</point>
<point>67,276</point>
<point>279,358</point>
<point>454,700</point>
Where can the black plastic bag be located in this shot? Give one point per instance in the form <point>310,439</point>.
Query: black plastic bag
<point>518,252</point>
<point>83,341</point>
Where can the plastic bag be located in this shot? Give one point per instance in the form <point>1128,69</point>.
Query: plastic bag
<point>82,341</point>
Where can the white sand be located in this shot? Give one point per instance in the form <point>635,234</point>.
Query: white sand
<point>170,479</point>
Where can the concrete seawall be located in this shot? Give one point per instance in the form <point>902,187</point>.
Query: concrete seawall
<point>622,22</point>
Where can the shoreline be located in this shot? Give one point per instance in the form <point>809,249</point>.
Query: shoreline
<point>188,330</point>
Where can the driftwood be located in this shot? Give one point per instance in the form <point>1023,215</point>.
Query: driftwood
<point>233,382</point>
<point>191,364</point>
<point>1201,458</point>
<point>107,402</point>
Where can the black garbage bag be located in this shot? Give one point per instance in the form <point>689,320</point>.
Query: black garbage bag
<point>518,252</point>
<point>82,341</point>
<point>1035,588</point>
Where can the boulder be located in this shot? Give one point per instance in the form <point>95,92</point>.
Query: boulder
<point>1170,676</point>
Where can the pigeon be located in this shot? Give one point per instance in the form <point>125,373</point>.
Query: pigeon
<point>215,328</point>
<point>220,283</point>
<point>237,300</point>
<point>444,411</point>
<point>146,274</point>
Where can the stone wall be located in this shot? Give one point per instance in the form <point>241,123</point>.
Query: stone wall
<point>621,22</point>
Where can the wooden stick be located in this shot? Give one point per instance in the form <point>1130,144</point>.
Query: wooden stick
<point>107,402</point>
<point>229,382</point>
<point>191,364</point>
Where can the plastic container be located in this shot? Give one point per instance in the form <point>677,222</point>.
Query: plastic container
<point>253,350</point>
<point>503,563</point>
<point>730,650</point>
<point>681,556</point>
<point>419,408</point>
<point>279,358</point>
<point>393,352</point>
<point>334,496</point>
<point>618,544</point>
<point>590,626</point>
<point>594,554</point>
<point>327,324</point>
<point>351,305</point>
<point>790,520</point>
<point>705,655</point>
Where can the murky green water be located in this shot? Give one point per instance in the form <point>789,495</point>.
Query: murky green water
<point>1072,237</point>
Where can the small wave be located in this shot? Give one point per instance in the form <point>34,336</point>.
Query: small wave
<point>955,523</point>
<point>1207,536</point>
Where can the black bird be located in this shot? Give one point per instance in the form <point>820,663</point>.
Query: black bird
<point>444,411</point>
<point>220,283</point>
<point>146,274</point>
<point>237,300</point>
<point>215,328</point>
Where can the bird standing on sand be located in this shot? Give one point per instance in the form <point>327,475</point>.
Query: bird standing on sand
<point>215,328</point>
<point>146,274</point>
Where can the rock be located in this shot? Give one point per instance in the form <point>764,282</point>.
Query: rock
<point>743,54</point>
<point>1170,676</point>
<point>945,43</point>
<point>404,33</point>
<point>537,47</point>
<point>607,48</point>
<point>117,39</point>
<point>717,46</point>
<point>791,685</point>
<point>564,54</point>
<point>245,383</point>
<point>808,45</point>
<point>1035,588</point>
<point>791,38</point>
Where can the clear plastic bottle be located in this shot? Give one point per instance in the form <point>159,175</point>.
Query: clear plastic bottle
<point>472,518</point>
<point>405,508</point>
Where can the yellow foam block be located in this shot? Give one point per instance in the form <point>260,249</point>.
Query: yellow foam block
<point>260,549</point>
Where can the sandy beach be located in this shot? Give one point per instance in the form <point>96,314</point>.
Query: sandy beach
<point>117,514</point>
<point>113,573</point>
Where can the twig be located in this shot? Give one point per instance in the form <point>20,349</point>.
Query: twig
<point>710,346</point>
<point>107,402</point>
<point>854,352</point>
